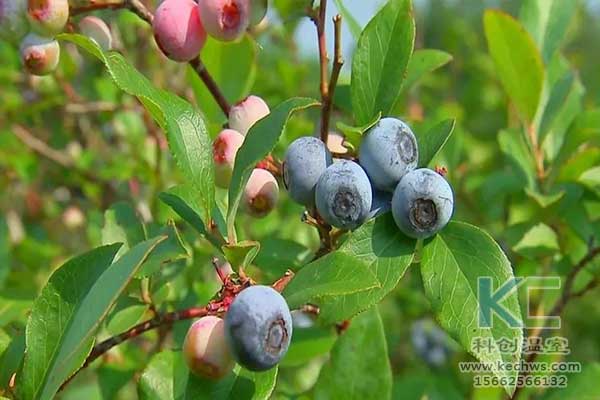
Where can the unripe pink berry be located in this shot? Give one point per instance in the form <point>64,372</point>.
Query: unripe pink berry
<point>13,20</point>
<point>39,55</point>
<point>225,147</point>
<point>97,30</point>
<point>225,20</point>
<point>246,113</point>
<point>178,30</point>
<point>205,350</point>
<point>261,193</point>
<point>48,17</point>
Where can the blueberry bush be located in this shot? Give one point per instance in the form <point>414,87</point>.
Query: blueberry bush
<point>298,199</point>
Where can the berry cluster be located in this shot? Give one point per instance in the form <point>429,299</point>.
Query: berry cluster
<point>347,193</point>
<point>255,332</point>
<point>181,26</point>
<point>262,191</point>
<point>34,24</point>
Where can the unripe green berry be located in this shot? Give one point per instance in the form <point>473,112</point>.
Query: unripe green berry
<point>48,17</point>
<point>39,55</point>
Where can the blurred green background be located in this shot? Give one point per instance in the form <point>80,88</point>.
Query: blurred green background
<point>72,145</point>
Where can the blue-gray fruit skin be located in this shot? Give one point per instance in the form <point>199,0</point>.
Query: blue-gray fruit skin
<point>382,203</point>
<point>258,328</point>
<point>305,161</point>
<point>343,195</point>
<point>387,152</point>
<point>423,203</point>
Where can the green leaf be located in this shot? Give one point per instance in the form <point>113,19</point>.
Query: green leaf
<point>358,275</point>
<point>359,367</point>
<point>278,255</point>
<point>308,343</point>
<point>431,143</point>
<point>121,225</point>
<point>168,378</point>
<point>185,205</point>
<point>518,61</point>
<point>561,105</point>
<point>242,253</point>
<point>381,59</point>
<point>431,386</point>
<point>451,264</point>
<point>591,179</point>
<point>513,145</point>
<point>348,18</point>
<point>545,200</point>
<point>70,308</point>
<point>547,21</point>
<point>186,131</point>
<point>353,134</point>
<point>170,250</point>
<point>259,142</point>
<point>10,360</point>
<point>423,62</point>
<point>233,67</point>
<point>540,240</point>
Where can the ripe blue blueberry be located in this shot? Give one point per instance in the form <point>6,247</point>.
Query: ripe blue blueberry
<point>422,204</point>
<point>258,328</point>
<point>344,195</point>
<point>382,203</point>
<point>388,151</point>
<point>305,161</point>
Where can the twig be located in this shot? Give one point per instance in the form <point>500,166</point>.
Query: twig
<point>319,21</point>
<point>56,156</point>
<point>338,62</point>
<point>538,153</point>
<point>138,8</point>
<point>157,321</point>
<point>559,306</point>
<point>211,85</point>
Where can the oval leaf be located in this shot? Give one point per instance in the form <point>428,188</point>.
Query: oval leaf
<point>380,60</point>
<point>431,143</point>
<point>64,318</point>
<point>359,367</point>
<point>451,265</point>
<point>518,61</point>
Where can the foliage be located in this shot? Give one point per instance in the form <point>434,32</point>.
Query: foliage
<point>113,153</point>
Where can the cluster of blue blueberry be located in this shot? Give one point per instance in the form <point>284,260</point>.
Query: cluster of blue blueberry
<point>348,193</point>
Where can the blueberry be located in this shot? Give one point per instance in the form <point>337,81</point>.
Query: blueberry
<point>388,151</point>
<point>382,203</point>
<point>258,328</point>
<point>344,195</point>
<point>305,161</point>
<point>422,204</point>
